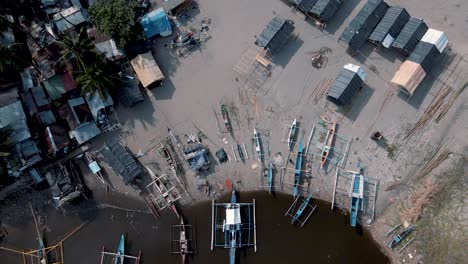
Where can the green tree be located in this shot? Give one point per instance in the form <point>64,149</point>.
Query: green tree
<point>115,18</point>
<point>98,78</point>
<point>10,61</point>
<point>80,48</point>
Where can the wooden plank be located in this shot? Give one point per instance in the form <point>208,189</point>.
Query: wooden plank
<point>260,59</point>
<point>334,188</point>
<point>212,224</point>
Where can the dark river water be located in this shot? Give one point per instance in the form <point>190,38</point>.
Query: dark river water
<point>326,237</point>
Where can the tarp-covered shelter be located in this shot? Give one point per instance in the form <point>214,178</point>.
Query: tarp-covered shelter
<point>410,35</point>
<point>197,157</point>
<point>275,35</point>
<point>156,22</point>
<point>347,83</point>
<point>69,18</point>
<point>425,54</point>
<point>118,158</point>
<point>436,37</point>
<point>325,9</point>
<point>13,119</point>
<point>147,70</point>
<point>408,77</point>
<point>357,32</point>
<point>390,26</point>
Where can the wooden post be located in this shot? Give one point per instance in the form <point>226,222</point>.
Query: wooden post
<point>212,223</point>
<point>255,228</point>
<point>334,188</point>
<point>310,138</point>
<point>245,149</point>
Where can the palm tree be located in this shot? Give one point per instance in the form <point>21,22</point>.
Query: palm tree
<point>97,78</point>
<point>9,60</point>
<point>81,48</point>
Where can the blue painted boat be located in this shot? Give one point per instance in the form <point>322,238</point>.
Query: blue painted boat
<point>270,177</point>
<point>356,194</point>
<point>301,209</point>
<point>298,170</point>
<point>120,254</point>
<point>397,239</point>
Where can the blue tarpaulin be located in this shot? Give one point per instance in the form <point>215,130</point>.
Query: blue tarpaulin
<point>156,22</point>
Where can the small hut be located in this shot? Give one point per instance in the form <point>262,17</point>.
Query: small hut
<point>275,35</point>
<point>390,26</point>
<point>410,35</point>
<point>357,32</point>
<point>408,77</point>
<point>348,82</point>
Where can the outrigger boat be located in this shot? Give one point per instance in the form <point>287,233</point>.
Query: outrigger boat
<point>257,145</point>
<point>397,239</point>
<point>301,209</point>
<point>270,177</point>
<point>41,253</point>
<point>292,133</point>
<point>241,152</point>
<point>356,193</point>
<point>327,145</point>
<point>120,254</point>
<point>298,170</point>
<point>227,123</point>
<point>183,240</point>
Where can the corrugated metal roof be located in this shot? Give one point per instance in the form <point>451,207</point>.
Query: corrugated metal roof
<point>357,32</point>
<point>410,35</point>
<point>346,84</point>
<point>306,5</point>
<point>146,69</point>
<point>129,93</point>
<point>275,35</point>
<point>120,160</point>
<point>390,26</point>
<point>171,4</point>
<point>96,103</point>
<point>424,54</point>
<point>12,118</point>
<point>436,37</point>
<point>69,18</point>
<point>85,132</point>
<point>325,9</point>
<point>409,76</point>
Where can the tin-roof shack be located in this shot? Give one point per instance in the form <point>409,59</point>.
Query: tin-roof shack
<point>437,38</point>
<point>357,32</point>
<point>69,18</point>
<point>410,35</point>
<point>105,45</point>
<point>390,26</point>
<point>304,5</point>
<point>147,70</point>
<point>275,34</point>
<point>347,83</point>
<point>408,77</point>
<point>324,10</point>
<point>13,119</point>
<point>425,54</point>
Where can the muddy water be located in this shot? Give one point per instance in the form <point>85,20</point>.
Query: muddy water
<point>326,238</point>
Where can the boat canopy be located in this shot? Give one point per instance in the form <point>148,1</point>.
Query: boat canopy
<point>233,215</point>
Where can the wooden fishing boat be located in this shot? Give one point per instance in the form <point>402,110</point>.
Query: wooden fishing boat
<point>356,194</point>
<point>120,254</point>
<point>327,145</point>
<point>298,170</point>
<point>292,133</point>
<point>301,209</point>
<point>241,152</point>
<point>270,177</point>
<point>41,253</point>
<point>397,239</point>
<point>183,240</point>
<point>257,145</point>
<point>227,123</point>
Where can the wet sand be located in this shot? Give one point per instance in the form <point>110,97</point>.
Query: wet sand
<point>326,238</point>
